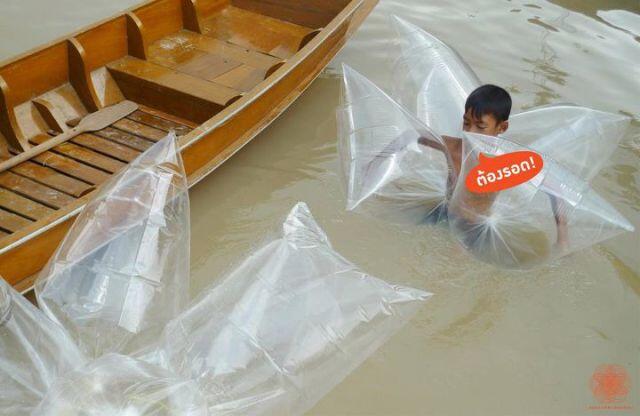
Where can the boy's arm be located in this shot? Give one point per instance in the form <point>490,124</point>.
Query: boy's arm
<point>454,147</point>
<point>424,141</point>
<point>558,207</point>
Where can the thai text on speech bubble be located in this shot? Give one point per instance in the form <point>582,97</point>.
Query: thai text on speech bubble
<point>502,172</point>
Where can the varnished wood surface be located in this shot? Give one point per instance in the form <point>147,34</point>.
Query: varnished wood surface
<point>214,71</point>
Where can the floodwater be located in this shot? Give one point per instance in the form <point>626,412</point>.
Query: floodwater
<point>490,342</point>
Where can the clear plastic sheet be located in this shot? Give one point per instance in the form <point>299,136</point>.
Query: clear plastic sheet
<point>387,172</point>
<point>285,326</point>
<point>551,215</point>
<point>33,352</point>
<point>433,82</point>
<point>122,271</point>
<point>120,385</point>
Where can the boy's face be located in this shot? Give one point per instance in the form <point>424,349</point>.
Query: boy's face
<point>487,124</point>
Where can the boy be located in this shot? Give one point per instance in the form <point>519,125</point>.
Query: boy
<point>487,111</point>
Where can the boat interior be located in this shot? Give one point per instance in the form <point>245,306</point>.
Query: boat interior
<point>181,61</point>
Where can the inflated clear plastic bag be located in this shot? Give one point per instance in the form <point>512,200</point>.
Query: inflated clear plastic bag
<point>122,271</point>
<point>285,326</point>
<point>117,385</point>
<point>580,139</point>
<point>431,79</point>
<point>33,352</point>
<point>547,217</point>
<point>388,173</point>
<point>433,82</point>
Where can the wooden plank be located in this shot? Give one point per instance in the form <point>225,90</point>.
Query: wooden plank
<point>106,147</point>
<point>243,78</point>
<point>176,53</point>
<point>228,50</point>
<point>37,73</point>
<point>206,8</point>
<point>72,168</point>
<point>160,18</point>
<point>125,138</point>
<point>25,207</point>
<point>34,190</point>
<point>84,155</point>
<point>170,91</point>
<point>172,117</point>
<point>172,51</point>
<point>51,178</point>
<point>159,123</point>
<point>224,63</point>
<point>207,66</point>
<point>12,222</point>
<point>255,31</point>
<point>3,234</point>
<point>139,129</point>
<point>104,43</point>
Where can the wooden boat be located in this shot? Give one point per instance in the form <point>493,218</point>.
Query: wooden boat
<point>215,71</point>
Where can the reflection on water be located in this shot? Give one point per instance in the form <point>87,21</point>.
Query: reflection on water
<point>543,68</point>
<point>490,342</point>
<point>591,8</point>
<point>622,19</point>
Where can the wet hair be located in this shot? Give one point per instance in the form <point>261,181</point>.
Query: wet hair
<point>489,99</point>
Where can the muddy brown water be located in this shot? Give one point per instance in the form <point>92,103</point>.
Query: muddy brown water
<point>490,342</point>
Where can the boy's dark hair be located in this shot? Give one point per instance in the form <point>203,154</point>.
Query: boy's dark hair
<point>489,99</point>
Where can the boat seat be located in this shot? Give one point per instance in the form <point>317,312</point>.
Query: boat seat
<point>144,81</point>
<point>255,31</point>
<point>229,51</point>
<point>214,60</point>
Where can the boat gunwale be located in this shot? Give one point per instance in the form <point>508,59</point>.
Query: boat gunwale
<point>200,132</point>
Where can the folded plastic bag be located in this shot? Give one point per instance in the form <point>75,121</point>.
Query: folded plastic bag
<point>549,216</point>
<point>33,352</point>
<point>387,172</point>
<point>285,326</point>
<point>433,82</point>
<point>120,385</point>
<point>122,271</point>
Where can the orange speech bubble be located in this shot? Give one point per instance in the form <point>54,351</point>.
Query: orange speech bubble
<point>502,172</point>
